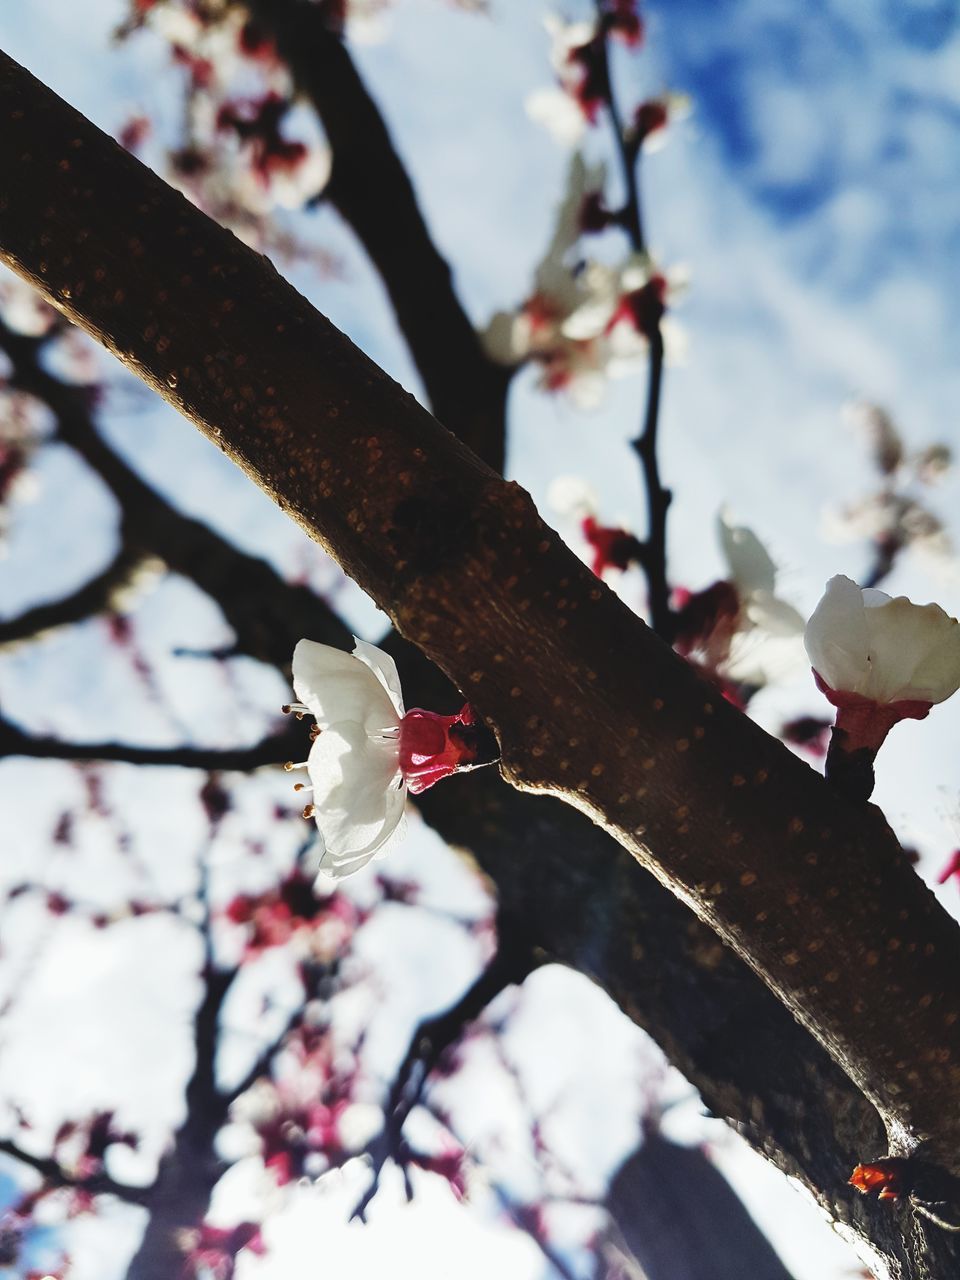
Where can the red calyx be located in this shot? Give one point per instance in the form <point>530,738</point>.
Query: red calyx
<point>887,1179</point>
<point>951,870</point>
<point>591,91</point>
<point>863,724</point>
<point>594,215</point>
<point>258,122</point>
<point>622,20</point>
<point>643,308</point>
<point>434,746</point>
<point>650,116</point>
<point>613,548</point>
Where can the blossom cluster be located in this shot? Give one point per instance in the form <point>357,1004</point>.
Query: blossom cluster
<point>586,321</point>
<point>247,146</point>
<point>578,58</point>
<point>897,515</point>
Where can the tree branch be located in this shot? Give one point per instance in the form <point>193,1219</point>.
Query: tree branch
<point>577,893</point>
<point>511,964</point>
<point>272,750</point>
<point>262,608</point>
<point>53,1172</point>
<point>92,598</point>
<point>370,189</point>
<point>654,554</point>
<point>811,890</point>
<point>188,1173</point>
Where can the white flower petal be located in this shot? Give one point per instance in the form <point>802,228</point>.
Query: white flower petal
<point>558,113</point>
<point>358,795</point>
<point>571,496</point>
<point>774,616</point>
<point>836,637</point>
<point>503,339</point>
<point>889,650</point>
<point>336,686</point>
<point>589,320</point>
<point>914,651</point>
<point>758,658</point>
<point>751,567</point>
<point>384,668</point>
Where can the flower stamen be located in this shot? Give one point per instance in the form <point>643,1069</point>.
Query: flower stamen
<point>289,764</point>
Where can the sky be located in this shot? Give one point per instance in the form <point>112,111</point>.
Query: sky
<point>810,194</point>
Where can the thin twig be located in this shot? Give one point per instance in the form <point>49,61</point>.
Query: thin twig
<point>654,556</point>
<point>432,1037</point>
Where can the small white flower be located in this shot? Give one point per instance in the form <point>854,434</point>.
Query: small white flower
<point>861,641</point>
<point>367,751</point>
<point>354,763</point>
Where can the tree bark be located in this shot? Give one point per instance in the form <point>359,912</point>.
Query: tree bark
<point>813,892</point>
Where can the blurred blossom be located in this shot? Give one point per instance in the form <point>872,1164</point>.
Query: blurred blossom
<point>587,321</point>
<point>738,628</point>
<point>246,148</point>
<point>611,546</point>
<point>22,308</point>
<point>897,515</point>
<point>652,119</point>
<point>578,59</point>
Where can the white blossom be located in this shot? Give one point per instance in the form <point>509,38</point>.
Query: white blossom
<point>861,641</point>
<point>765,643</point>
<point>354,763</point>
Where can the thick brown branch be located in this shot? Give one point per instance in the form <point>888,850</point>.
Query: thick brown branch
<point>273,750</point>
<point>370,188</point>
<point>811,890</point>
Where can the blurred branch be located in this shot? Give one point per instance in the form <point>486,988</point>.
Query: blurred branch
<point>54,1173</point>
<point>264,1060</point>
<point>273,750</point>
<point>263,609</point>
<point>511,964</point>
<point>92,598</point>
<point>372,191</point>
<point>188,1173</point>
